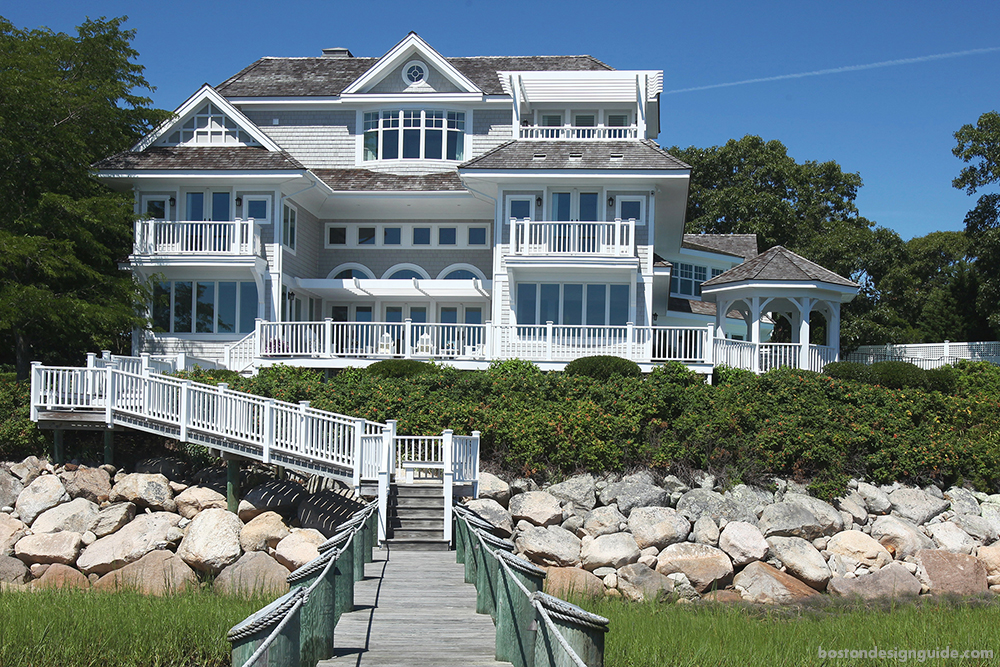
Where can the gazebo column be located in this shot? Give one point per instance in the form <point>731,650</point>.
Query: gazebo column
<point>755,332</point>
<point>833,328</point>
<point>805,310</point>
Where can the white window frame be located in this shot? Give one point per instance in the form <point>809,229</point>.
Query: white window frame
<point>285,226</point>
<point>144,202</point>
<point>562,300</point>
<point>641,220</point>
<point>246,207</point>
<point>448,121</point>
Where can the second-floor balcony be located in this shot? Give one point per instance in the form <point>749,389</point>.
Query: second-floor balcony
<point>611,238</point>
<point>195,237</point>
<point>574,132</point>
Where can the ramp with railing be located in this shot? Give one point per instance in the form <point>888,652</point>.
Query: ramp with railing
<point>128,392</point>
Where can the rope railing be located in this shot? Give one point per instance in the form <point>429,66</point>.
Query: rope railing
<point>299,626</point>
<point>520,639</point>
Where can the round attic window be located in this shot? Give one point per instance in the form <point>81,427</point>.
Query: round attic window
<point>414,72</point>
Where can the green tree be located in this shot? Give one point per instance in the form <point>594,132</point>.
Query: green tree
<point>979,146</point>
<point>65,102</point>
<point>752,186</point>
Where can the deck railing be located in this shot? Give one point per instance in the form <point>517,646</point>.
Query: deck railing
<point>928,355</point>
<point>247,424</point>
<point>575,132</point>
<point>615,238</point>
<point>762,357</point>
<point>195,237</point>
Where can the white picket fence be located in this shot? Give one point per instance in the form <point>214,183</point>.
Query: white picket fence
<point>928,355</point>
<point>127,391</point>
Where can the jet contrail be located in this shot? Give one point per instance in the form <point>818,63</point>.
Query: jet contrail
<point>838,70</point>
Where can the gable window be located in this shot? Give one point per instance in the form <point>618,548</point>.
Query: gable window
<point>687,279</point>
<point>210,126</point>
<point>414,72</point>
<point>414,134</point>
<point>288,224</point>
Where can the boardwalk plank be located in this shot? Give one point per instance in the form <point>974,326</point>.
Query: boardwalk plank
<point>414,608</point>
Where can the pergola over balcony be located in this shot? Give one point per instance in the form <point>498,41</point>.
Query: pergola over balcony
<point>781,282</point>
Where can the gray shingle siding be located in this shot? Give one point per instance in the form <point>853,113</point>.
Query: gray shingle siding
<point>308,241</point>
<point>303,117</point>
<point>316,147</point>
<point>379,260</point>
<point>490,128</point>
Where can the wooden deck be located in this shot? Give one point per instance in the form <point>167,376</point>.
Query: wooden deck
<point>414,608</point>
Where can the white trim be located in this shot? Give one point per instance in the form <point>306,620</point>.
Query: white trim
<point>461,266</point>
<point>354,266</point>
<point>410,46</point>
<point>206,92</point>
<point>404,74</point>
<point>284,241</point>
<point>407,266</point>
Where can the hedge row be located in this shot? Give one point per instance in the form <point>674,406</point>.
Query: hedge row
<point>804,425</point>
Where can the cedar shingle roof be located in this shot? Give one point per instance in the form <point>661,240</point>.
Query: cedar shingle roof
<point>738,245</point>
<point>779,263</point>
<point>698,307</point>
<point>643,154</point>
<point>364,179</point>
<point>328,77</point>
<point>187,157</point>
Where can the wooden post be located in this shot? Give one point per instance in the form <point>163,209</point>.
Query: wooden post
<point>486,574</point>
<point>371,526</point>
<point>233,485</point>
<point>472,547</point>
<point>284,650</point>
<point>109,447</point>
<point>516,625</point>
<point>448,447</point>
<point>58,451</point>
<point>585,636</point>
<point>344,585</point>
<point>318,620</point>
<point>358,546</point>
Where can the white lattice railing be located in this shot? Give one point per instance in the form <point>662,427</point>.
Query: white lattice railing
<point>928,355</point>
<point>254,426</point>
<point>194,237</point>
<point>609,238</point>
<point>571,132</point>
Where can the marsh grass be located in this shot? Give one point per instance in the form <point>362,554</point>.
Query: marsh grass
<point>657,634</point>
<point>71,628</point>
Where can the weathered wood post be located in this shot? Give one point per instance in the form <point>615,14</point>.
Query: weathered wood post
<point>318,620</point>
<point>516,625</point>
<point>343,572</point>
<point>458,518</point>
<point>109,447</point>
<point>58,448</point>
<point>472,545</point>
<point>248,636</point>
<point>487,572</point>
<point>583,631</point>
<point>232,484</point>
<point>371,526</point>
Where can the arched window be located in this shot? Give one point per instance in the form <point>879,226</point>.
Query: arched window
<point>461,271</point>
<point>405,274</point>
<point>461,274</point>
<point>347,274</point>
<point>350,270</point>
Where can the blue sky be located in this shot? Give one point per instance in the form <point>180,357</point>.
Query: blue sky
<point>893,124</point>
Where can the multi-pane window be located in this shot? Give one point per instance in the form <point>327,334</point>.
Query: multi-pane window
<point>288,227</point>
<point>414,134</point>
<point>687,279</point>
<point>572,304</point>
<point>204,306</point>
<point>210,126</point>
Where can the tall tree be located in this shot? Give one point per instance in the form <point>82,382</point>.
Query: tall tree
<point>979,146</point>
<point>65,102</point>
<point>750,185</point>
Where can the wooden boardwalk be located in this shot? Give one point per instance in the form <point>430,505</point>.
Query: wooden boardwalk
<point>414,608</point>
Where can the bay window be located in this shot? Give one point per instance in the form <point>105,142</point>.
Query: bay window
<point>414,134</point>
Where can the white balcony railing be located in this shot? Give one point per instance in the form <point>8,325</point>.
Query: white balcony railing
<point>186,237</point>
<point>571,132</point>
<point>614,238</point>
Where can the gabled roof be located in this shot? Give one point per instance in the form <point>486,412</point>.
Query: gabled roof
<point>737,245</point>
<point>697,307</point>
<point>329,77</point>
<point>345,180</point>
<point>239,158</point>
<point>411,46</point>
<point>778,264</point>
<point>545,155</point>
<point>203,94</point>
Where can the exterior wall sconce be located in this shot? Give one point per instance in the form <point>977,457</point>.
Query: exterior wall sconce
<point>654,316</point>
<point>239,201</point>
<point>538,201</point>
<point>291,295</point>
<point>173,201</point>
<point>611,202</point>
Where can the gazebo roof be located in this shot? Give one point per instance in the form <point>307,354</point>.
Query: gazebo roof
<point>778,264</point>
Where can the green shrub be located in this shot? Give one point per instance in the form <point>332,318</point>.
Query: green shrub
<point>19,437</point>
<point>897,375</point>
<point>729,375</point>
<point>400,368</point>
<point>941,379</point>
<point>602,367</point>
<point>976,378</point>
<point>848,370</point>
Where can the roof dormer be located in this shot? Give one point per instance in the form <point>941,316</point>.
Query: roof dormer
<point>412,66</point>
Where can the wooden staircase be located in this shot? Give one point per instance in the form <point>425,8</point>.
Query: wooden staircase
<point>416,517</point>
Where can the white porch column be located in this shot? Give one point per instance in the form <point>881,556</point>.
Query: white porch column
<point>805,310</point>
<point>833,329</point>
<point>755,333</point>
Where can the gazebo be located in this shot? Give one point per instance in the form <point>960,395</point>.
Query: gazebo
<point>781,283</point>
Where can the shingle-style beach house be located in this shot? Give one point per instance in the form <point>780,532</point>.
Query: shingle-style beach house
<point>335,210</point>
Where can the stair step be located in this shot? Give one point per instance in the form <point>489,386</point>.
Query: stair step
<point>422,490</point>
<point>406,523</point>
<point>419,514</point>
<point>418,545</point>
<point>420,504</point>
<point>417,533</point>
